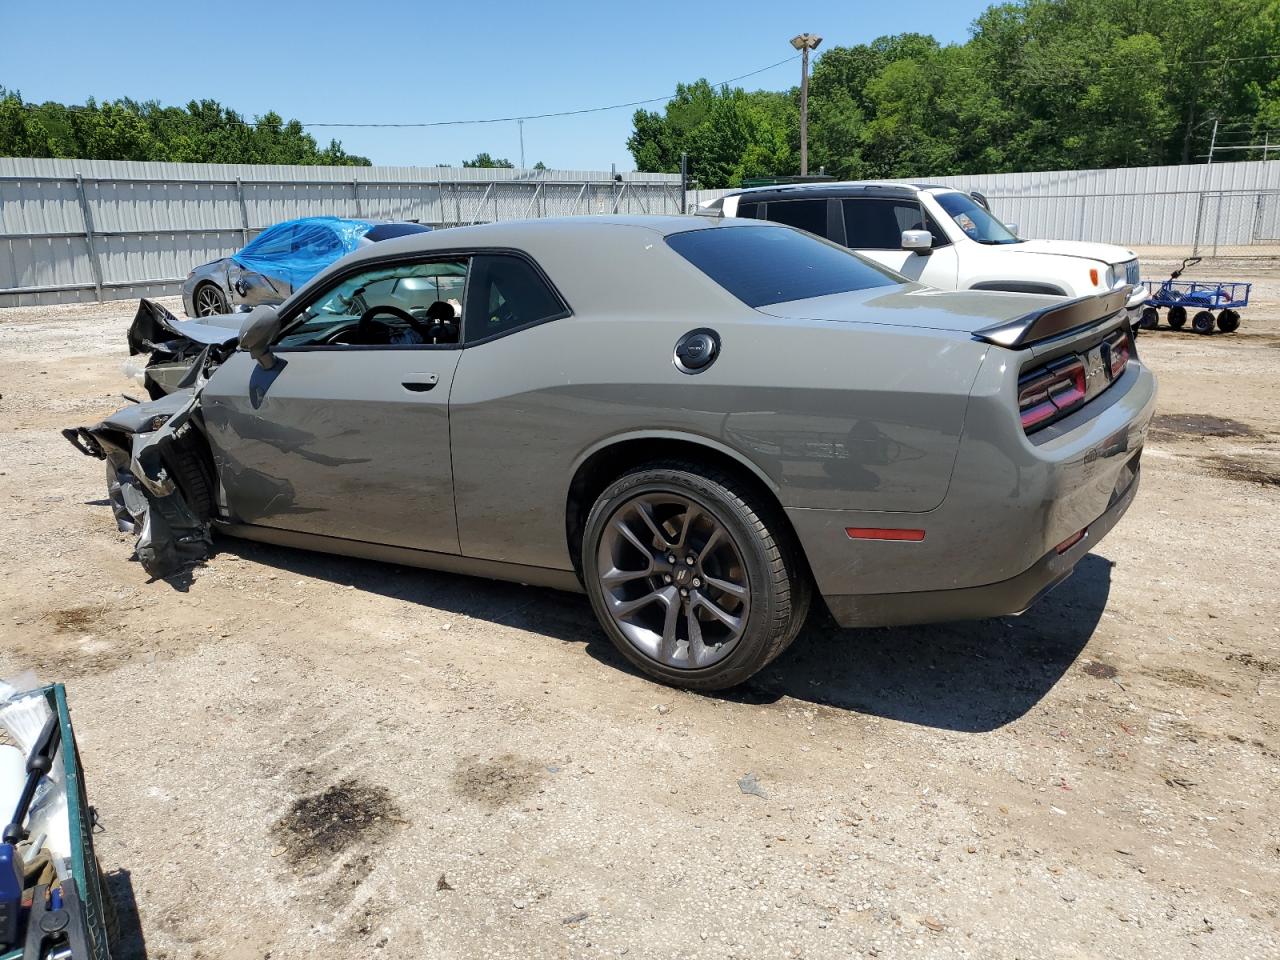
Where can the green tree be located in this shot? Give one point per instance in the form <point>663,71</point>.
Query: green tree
<point>202,132</point>
<point>484,160</point>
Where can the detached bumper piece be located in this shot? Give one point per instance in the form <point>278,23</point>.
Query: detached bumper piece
<point>156,479</point>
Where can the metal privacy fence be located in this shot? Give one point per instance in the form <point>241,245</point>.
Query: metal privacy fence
<point>1220,209</point>
<point>75,230</point>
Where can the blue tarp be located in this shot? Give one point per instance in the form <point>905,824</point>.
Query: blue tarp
<point>296,250</point>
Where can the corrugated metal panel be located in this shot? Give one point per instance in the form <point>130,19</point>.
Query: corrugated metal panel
<point>151,222</point>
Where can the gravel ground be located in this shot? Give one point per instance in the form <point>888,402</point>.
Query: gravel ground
<point>295,754</point>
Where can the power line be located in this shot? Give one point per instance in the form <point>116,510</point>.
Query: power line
<point>544,116</point>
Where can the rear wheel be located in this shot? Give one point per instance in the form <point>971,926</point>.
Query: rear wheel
<point>1228,321</point>
<point>693,576</point>
<point>1150,318</point>
<point>1177,317</point>
<point>1202,322</point>
<point>209,301</point>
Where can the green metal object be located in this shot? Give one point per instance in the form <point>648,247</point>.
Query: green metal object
<point>84,862</point>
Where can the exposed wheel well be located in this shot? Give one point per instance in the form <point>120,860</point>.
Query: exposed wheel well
<point>606,465</point>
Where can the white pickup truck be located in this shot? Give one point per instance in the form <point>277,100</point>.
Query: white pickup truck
<point>942,237</point>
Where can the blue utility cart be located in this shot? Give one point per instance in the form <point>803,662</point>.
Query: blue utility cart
<point>1203,296</point>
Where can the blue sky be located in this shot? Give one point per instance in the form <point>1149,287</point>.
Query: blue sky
<point>399,61</point>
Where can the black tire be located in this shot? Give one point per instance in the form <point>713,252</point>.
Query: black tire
<point>208,300</point>
<point>192,476</point>
<point>1228,321</point>
<point>1177,317</point>
<point>1202,322</point>
<point>778,580</point>
<point>1150,318</point>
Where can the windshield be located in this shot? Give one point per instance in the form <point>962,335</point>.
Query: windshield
<point>976,222</point>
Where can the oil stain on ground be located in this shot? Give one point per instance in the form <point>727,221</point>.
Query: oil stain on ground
<point>498,781</point>
<point>1241,468</point>
<point>1168,426</point>
<point>1100,671</point>
<point>320,826</point>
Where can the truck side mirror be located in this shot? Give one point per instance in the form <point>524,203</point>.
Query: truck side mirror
<point>917,241</point>
<point>259,330</point>
<point>1013,228</point>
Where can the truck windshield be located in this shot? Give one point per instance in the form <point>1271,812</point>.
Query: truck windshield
<point>976,222</point>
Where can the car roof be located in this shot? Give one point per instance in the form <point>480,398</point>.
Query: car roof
<point>844,188</point>
<point>597,262</point>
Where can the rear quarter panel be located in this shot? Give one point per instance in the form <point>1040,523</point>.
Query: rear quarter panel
<point>829,414</point>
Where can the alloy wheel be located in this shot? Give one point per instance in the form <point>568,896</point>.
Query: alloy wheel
<point>208,302</point>
<point>673,580</point>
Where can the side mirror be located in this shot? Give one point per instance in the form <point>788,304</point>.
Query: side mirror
<point>259,330</point>
<point>917,241</point>
<point>1013,228</point>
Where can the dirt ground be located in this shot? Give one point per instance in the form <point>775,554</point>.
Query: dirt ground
<point>296,755</point>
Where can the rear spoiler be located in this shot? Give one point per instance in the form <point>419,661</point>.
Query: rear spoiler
<point>1051,321</point>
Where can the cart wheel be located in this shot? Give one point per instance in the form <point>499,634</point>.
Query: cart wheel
<point>1177,317</point>
<point>1150,318</point>
<point>1202,322</point>
<point>1228,321</point>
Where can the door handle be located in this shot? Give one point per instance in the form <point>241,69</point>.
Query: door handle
<point>422,382</point>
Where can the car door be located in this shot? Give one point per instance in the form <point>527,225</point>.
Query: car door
<point>873,227</point>
<point>501,413</point>
<point>347,435</point>
<point>257,274</point>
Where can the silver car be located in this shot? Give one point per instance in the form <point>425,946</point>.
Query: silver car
<point>281,259</point>
<point>699,423</point>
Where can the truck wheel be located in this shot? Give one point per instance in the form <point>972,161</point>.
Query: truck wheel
<point>1228,321</point>
<point>1202,322</point>
<point>1150,318</point>
<point>1177,317</point>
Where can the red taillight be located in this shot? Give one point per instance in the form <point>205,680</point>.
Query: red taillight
<point>1120,349</point>
<point>1050,392</point>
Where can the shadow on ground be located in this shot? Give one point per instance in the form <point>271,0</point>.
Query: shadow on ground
<point>970,677</point>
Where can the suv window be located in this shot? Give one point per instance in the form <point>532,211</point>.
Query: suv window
<point>506,293</point>
<point>808,215</point>
<point>975,221</point>
<point>763,265</point>
<point>877,223</point>
<point>274,241</point>
<point>430,293</point>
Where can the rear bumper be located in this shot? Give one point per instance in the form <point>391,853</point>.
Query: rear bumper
<point>1011,596</point>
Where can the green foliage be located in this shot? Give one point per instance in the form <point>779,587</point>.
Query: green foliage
<point>201,132</point>
<point>484,160</point>
<point>1039,85</point>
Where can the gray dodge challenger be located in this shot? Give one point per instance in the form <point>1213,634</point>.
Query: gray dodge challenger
<point>697,422</point>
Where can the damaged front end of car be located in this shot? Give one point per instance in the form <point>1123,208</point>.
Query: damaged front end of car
<point>159,479</point>
<point>171,345</point>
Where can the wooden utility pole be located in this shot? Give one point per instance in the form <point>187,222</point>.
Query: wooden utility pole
<point>804,43</point>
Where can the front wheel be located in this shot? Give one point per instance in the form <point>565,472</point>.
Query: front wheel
<point>1150,318</point>
<point>694,577</point>
<point>1177,317</point>
<point>1202,322</point>
<point>209,301</point>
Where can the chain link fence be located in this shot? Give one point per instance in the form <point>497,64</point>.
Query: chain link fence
<point>1242,223</point>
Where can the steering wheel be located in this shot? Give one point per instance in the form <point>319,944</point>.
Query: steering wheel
<point>364,329</point>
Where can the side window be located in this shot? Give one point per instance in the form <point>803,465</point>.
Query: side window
<point>874,224</point>
<point>877,224</point>
<point>408,304</point>
<point>808,215</point>
<point>506,293</point>
<point>749,210</point>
